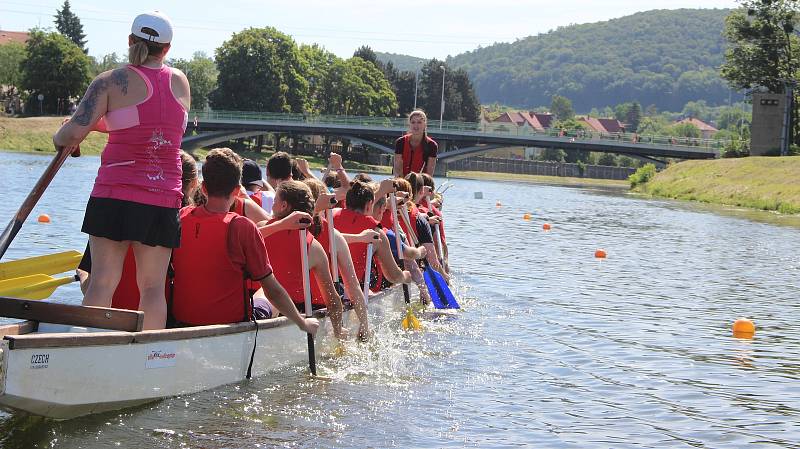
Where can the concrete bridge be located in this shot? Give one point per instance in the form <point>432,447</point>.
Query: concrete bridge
<point>457,140</point>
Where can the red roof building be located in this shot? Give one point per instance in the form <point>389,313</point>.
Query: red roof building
<point>706,130</point>
<point>538,122</point>
<point>13,36</point>
<point>604,125</point>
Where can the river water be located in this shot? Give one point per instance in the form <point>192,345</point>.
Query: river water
<point>553,348</point>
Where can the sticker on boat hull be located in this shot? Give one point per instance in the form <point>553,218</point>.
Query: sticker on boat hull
<point>163,356</point>
<point>40,361</point>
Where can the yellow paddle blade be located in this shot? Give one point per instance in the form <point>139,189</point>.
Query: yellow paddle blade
<point>48,264</point>
<point>36,286</point>
<point>410,321</point>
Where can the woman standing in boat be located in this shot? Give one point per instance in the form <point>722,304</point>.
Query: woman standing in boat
<point>137,192</point>
<point>415,151</point>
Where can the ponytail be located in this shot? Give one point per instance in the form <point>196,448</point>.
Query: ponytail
<point>359,195</point>
<point>141,49</point>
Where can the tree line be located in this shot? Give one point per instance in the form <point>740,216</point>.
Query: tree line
<point>257,69</point>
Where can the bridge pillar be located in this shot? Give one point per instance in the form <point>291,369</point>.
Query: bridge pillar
<point>441,169</point>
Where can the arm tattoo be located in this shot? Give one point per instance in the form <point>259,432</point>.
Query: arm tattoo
<point>120,78</point>
<point>86,109</point>
<point>99,86</point>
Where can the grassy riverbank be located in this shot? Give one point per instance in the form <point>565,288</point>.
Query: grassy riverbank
<point>35,135</point>
<point>767,183</point>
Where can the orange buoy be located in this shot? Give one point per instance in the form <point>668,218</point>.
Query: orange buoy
<point>44,218</point>
<point>546,226</point>
<point>600,254</point>
<point>527,216</point>
<point>497,204</point>
<point>743,328</point>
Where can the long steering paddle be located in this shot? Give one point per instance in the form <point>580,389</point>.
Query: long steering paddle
<point>27,206</point>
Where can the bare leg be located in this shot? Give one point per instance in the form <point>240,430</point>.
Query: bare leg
<point>107,260</point>
<point>151,274</point>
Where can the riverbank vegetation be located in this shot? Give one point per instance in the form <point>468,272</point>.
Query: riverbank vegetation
<point>767,183</point>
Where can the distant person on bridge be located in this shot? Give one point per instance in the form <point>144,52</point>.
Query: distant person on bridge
<point>415,151</point>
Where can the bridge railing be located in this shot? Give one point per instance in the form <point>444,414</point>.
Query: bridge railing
<point>486,128</point>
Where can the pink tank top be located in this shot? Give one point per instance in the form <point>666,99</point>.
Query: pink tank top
<point>141,161</point>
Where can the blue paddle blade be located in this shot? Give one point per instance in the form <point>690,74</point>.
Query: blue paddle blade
<point>440,292</point>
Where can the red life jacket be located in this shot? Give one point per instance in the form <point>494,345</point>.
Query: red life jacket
<point>438,213</point>
<point>414,159</point>
<point>208,287</point>
<point>287,265</point>
<point>347,221</point>
<point>238,208</point>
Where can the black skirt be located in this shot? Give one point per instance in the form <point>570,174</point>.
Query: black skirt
<point>122,220</point>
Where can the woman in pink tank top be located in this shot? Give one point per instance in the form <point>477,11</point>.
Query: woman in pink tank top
<point>137,192</point>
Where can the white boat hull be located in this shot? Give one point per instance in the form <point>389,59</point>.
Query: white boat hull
<point>77,377</point>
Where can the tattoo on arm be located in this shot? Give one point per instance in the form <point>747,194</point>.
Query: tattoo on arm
<point>86,109</point>
<point>99,86</point>
<point>120,78</point>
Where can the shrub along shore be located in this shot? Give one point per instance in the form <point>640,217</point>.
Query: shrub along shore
<point>767,183</point>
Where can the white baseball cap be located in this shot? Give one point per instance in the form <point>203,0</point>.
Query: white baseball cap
<point>154,26</point>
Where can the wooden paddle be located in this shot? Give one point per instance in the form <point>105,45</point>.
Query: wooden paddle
<point>367,273</point>
<point>35,286</point>
<point>312,360</point>
<point>27,206</point>
<point>47,264</point>
<point>410,321</point>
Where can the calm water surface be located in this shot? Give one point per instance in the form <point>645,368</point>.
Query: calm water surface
<point>553,348</point>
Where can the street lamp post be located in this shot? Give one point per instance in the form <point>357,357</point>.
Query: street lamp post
<point>416,87</point>
<point>441,112</point>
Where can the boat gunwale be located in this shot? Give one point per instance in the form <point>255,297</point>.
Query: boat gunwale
<point>27,338</point>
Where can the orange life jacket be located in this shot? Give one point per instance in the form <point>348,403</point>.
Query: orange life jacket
<point>208,287</point>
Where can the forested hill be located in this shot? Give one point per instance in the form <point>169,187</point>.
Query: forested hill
<point>661,57</point>
<point>402,62</point>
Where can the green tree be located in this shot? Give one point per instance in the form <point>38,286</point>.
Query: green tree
<point>731,118</point>
<point>12,55</point>
<point>608,159</point>
<point>68,24</point>
<point>553,154</point>
<point>260,70</point>
<point>561,107</point>
<point>109,62</point>
<point>317,63</point>
<point>633,117</point>
<point>684,130</point>
<point>357,87</point>
<point>366,53</point>
<point>697,109</point>
<point>202,74</point>
<point>460,101</point>
<point>764,48</point>
<point>54,67</point>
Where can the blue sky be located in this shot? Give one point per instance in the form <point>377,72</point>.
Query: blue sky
<point>434,29</point>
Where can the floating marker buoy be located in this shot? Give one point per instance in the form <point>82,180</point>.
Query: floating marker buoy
<point>478,195</point>
<point>600,254</point>
<point>546,226</point>
<point>497,204</point>
<point>743,328</point>
<point>526,216</point>
<point>44,218</point>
